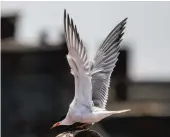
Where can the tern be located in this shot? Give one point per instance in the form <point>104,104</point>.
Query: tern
<point>91,76</point>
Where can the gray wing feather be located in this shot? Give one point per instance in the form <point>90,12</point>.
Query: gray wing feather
<point>104,63</point>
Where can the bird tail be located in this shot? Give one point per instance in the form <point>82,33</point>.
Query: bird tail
<point>109,113</point>
<point>103,114</point>
<point>120,111</point>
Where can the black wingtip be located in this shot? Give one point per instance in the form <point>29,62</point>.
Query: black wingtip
<point>65,17</point>
<point>72,24</point>
<point>123,22</point>
<point>126,19</point>
<point>65,12</point>
<point>68,19</point>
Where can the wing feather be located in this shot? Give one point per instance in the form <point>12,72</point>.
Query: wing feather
<point>104,63</point>
<point>78,61</point>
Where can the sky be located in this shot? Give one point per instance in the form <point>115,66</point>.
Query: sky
<point>147,30</point>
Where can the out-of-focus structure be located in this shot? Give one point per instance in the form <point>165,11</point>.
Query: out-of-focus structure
<point>37,88</point>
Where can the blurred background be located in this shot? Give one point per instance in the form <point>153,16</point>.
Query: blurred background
<point>37,86</point>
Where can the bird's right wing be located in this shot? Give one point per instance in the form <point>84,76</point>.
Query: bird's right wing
<point>104,63</point>
<point>78,61</point>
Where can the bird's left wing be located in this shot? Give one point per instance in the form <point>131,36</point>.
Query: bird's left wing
<point>104,63</point>
<point>78,61</point>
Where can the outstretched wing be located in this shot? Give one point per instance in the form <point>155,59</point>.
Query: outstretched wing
<point>104,63</point>
<point>78,61</point>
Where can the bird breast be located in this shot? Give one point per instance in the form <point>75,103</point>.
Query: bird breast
<point>77,111</point>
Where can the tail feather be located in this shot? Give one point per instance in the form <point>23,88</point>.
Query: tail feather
<point>120,111</point>
<point>103,114</point>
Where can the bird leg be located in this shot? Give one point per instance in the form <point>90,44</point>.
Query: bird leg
<point>82,125</point>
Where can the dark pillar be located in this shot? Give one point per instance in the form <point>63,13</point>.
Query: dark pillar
<point>120,74</point>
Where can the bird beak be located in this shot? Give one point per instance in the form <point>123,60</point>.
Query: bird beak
<point>55,125</point>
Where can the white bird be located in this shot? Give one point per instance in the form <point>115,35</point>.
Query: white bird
<point>92,77</point>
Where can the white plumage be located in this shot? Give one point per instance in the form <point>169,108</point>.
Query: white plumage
<point>92,77</point>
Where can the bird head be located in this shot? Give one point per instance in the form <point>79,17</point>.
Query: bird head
<point>65,122</point>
